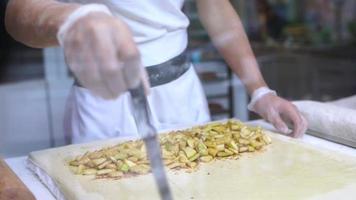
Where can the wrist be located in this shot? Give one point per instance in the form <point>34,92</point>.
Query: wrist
<point>77,14</point>
<point>252,87</point>
<point>258,94</point>
<point>50,17</point>
<point>65,11</point>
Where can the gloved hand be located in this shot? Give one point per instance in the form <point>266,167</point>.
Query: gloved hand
<point>278,112</point>
<point>100,51</point>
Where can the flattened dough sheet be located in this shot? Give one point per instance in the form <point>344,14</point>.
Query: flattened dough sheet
<point>288,169</point>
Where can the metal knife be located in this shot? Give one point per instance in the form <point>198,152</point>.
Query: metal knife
<point>149,136</point>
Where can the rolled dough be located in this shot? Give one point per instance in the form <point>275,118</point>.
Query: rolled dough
<point>348,102</point>
<point>329,119</point>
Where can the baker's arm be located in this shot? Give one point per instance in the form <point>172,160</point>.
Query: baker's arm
<point>36,22</point>
<point>98,47</point>
<point>227,33</point>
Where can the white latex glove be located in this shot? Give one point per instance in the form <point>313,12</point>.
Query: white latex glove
<point>100,51</point>
<point>279,112</point>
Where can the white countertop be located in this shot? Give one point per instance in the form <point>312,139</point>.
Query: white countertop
<point>18,164</point>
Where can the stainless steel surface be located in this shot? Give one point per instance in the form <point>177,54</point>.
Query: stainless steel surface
<point>149,135</point>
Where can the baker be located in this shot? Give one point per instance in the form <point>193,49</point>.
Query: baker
<point>105,42</point>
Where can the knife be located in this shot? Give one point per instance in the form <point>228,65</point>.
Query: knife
<point>149,135</point>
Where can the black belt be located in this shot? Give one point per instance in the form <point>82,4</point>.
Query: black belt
<point>165,72</point>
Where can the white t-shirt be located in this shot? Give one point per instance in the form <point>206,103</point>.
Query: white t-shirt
<point>159,27</point>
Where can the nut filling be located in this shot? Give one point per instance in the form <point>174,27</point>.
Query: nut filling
<point>184,149</point>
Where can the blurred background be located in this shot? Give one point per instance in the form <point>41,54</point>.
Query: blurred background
<point>306,50</point>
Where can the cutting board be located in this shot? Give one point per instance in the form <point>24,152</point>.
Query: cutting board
<point>287,169</point>
<point>11,187</point>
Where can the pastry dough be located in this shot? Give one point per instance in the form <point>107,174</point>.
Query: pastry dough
<point>288,169</point>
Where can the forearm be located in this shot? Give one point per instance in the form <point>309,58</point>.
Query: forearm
<point>36,22</point>
<point>227,33</point>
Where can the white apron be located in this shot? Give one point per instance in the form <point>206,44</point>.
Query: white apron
<point>179,103</point>
<point>159,28</point>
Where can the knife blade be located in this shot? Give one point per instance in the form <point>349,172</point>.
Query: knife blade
<point>149,135</point>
